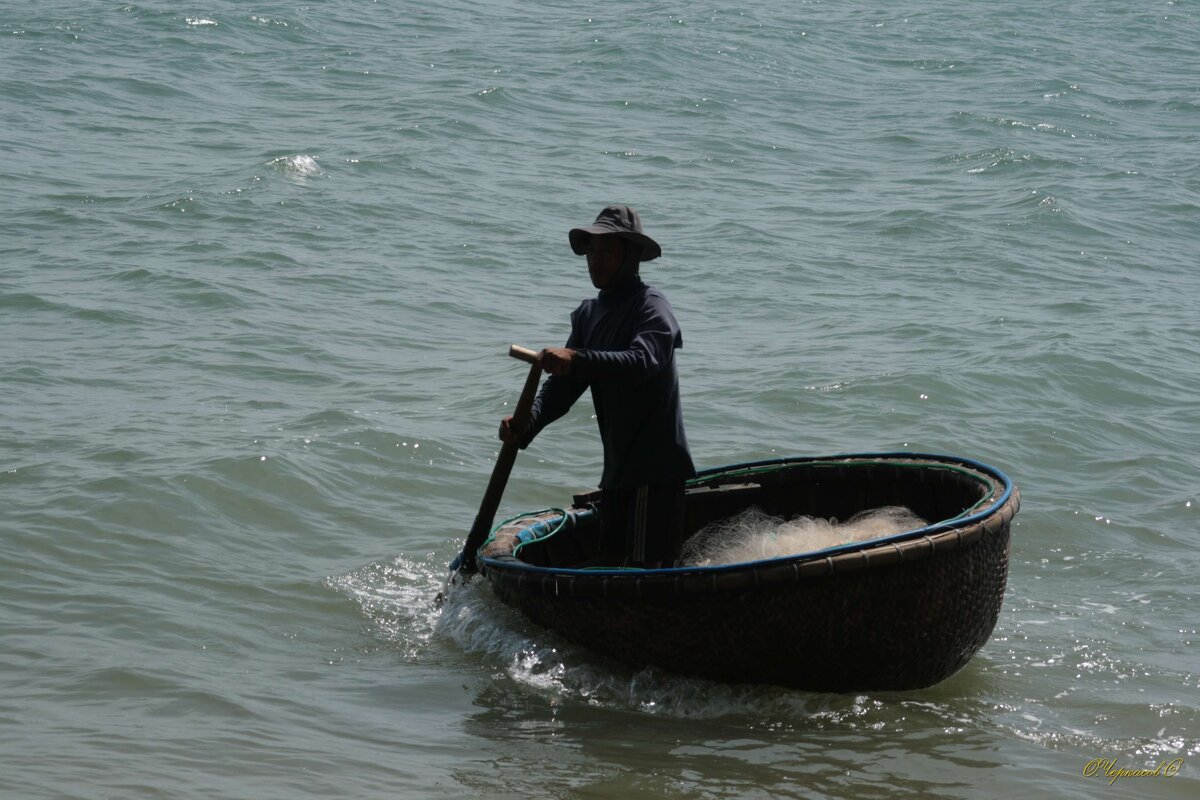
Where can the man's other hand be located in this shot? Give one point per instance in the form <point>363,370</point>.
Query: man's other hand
<point>509,433</point>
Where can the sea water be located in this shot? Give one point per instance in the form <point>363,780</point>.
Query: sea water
<point>259,268</point>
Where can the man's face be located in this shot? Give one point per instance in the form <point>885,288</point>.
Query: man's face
<point>604,256</point>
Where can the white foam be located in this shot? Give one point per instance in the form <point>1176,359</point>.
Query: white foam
<point>299,165</point>
<point>544,663</point>
<point>397,596</point>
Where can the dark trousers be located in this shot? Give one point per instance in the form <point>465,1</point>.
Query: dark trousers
<point>643,526</point>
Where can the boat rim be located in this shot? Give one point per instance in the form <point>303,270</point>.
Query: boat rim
<point>511,564</point>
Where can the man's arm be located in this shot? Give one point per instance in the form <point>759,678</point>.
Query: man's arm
<point>558,393</point>
<point>655,340</point>
<point>556,397</point>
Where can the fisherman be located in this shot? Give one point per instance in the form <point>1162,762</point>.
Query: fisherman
<point>622,346</point>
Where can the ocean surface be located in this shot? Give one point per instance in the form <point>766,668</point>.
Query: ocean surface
<point>260,264</point>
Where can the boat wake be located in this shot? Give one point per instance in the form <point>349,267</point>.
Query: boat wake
<point>398,597</point>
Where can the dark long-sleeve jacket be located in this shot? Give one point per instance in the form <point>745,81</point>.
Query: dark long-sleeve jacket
<point>624,343</point>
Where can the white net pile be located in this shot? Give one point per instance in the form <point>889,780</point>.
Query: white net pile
<point>754,535</point>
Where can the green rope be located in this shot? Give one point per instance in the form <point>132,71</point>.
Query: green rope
<point>562,523</point>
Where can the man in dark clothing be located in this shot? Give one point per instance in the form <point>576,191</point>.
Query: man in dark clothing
<point>622,346</point>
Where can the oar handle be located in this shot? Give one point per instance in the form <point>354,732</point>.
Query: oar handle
<point>523,353</point>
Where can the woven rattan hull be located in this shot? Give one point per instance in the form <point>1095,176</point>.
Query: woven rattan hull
<point>899,613</point>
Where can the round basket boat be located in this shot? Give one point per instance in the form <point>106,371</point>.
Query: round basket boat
<point>900,612</point>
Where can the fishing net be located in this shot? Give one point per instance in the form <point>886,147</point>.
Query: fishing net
<point>754,535</point>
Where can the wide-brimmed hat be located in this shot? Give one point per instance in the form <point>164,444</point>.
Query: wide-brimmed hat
<point>622,221</point>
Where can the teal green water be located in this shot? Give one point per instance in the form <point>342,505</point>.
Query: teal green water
<point>259,266</point>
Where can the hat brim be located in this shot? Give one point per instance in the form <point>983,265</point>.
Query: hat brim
<point>581,236</point>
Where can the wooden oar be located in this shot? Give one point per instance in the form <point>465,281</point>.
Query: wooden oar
<point>465,563</point>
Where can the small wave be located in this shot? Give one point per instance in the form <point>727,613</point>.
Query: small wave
<point>1004,159</point>
<point>269,21</point>
<point>25,301</point>
<point>300,165</point>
